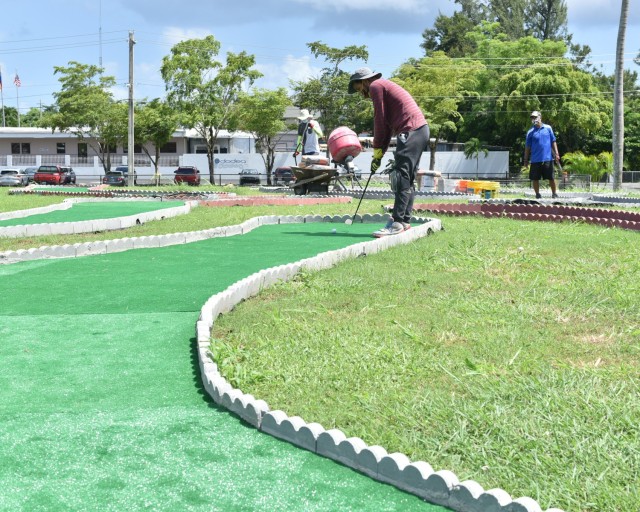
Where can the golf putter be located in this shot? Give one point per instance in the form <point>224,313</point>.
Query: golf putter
<point>350,221</point>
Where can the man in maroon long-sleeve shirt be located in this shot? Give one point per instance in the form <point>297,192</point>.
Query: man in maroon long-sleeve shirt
<point>395,112</point>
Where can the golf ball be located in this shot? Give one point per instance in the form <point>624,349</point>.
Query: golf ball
<point>334,231</point>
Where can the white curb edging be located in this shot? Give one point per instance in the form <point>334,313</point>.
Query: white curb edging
<point>418,478</point>
<point>86,226</point>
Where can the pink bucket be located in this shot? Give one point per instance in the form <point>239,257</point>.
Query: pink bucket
<point>342,143</point>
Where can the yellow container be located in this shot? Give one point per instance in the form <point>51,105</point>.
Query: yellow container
<point>485,189</point>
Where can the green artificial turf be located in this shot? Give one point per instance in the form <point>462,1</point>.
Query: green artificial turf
<point>92,211</point>
<point>101,400</point>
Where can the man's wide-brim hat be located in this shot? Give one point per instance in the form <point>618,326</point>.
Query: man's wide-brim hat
<point>361,74</point>
<point>304,114</point>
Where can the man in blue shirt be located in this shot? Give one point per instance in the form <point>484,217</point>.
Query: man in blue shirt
<point>541,146</point>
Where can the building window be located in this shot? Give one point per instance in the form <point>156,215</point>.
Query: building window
<point>169,147</point>
<point>20,148</point>
<point>61,148</point>
<point>137,148</point>
<point>82,149</point>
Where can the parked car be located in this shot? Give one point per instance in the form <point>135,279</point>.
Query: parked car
<point>249,177</point>
<point>30,172</point>
<point>119,176</point>
<point>283,175</point>
<point>54,175</point>
<point>13,178</point>
<point>187,174</point>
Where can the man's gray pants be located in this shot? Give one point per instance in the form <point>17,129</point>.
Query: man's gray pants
<point>409,149</point>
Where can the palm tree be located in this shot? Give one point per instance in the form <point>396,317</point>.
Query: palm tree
<point>618,100</point>
<point>472,149</point>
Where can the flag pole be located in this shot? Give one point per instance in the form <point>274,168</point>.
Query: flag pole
<point>4,124</point>
<point>17,82</point>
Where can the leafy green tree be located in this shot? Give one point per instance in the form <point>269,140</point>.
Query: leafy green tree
<point>85,107</point>
<point>511,16</point>
<point>155,123</point>
<point>528,74</point>
<point>203,89</point>
<point>11,116</point>
<point>262,113</point>
<point>546,19</point>
<point>448,35</point>
<point>595,166</point>
<point>439,84</point>
<point>327,95</point>
<point>31,118</point>
<point>472,149</point>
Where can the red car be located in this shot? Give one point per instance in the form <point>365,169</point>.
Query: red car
<point>54,175</point>
<point>187,174</point>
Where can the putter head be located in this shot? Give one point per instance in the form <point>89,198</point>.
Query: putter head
<point>349,221</point>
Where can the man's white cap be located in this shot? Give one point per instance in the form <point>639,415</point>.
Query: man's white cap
<point>304,114</point>
<point>535,113</point>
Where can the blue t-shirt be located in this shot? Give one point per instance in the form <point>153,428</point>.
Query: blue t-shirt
<point>539,141</point>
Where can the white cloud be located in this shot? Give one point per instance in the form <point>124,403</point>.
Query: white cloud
<point>174,35</point>
<point>413,6</point>
<point>292,68</point>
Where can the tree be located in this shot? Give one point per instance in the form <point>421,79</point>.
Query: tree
<point>11,116</point>
<point>204,90</point>
<point>156,123</point>
<point>618,99</point>
<point>326,94</point>
<point>85,107</point>
<point>546,19</point>
<point>262,114</point>
<point>439,84</point>
<point>472,149</point>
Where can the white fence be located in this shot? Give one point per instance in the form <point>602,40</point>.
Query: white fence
<point>228,165</point>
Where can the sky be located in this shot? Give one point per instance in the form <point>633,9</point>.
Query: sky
<point>37,35</point>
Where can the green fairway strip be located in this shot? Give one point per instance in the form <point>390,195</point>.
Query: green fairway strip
<point>93,211</point>
<point>101,400</point>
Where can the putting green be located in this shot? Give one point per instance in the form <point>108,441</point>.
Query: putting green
<point>53,188</point>
<point>100,393</point>
<point>93,211</point>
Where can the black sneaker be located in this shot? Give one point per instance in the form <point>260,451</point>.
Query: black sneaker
<point>538,196</point>
<point>554,196</point>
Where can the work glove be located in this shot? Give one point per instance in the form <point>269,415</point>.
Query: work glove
<point>377,160</point>
<point>295,154</point>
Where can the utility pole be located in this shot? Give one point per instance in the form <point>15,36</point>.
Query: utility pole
<point>130,162</point>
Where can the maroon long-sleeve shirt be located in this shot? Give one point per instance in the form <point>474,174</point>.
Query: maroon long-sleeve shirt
<point>394,111</point>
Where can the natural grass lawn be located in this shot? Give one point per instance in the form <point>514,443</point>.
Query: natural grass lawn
<point>516,368</point>
<point>506,351</point>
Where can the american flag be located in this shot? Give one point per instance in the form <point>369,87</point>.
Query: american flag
<point>17,81</point>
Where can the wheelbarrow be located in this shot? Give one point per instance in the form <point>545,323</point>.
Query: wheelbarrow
<point>314,179</point>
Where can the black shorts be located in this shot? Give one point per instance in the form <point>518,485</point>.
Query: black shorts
<point>541,170</point>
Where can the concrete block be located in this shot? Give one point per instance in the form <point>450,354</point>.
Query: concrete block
<point>328,442</point>
<point>494,500</point>
<point>272,420</point>
<point>89,248</point>
<point>119,245</point>
<point>414,478</point>
<point>368,458</point>
<point>203,331</point>
<point>438,487</point>
<point>171,239</point>
<point>220,388</point>
<point>391,467</point>
<point>83,226</point>
<point>38,229</point>
<point>349,449</point>
<point>286,428</point>
<point>228,396</point>
<point>250,409</point>
<point>524,504</point>
<point>308,436</point>
<point>464,497</point>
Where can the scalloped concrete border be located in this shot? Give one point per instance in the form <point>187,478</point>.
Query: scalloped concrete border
<point>88,226</point>
<point>418,478</point>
